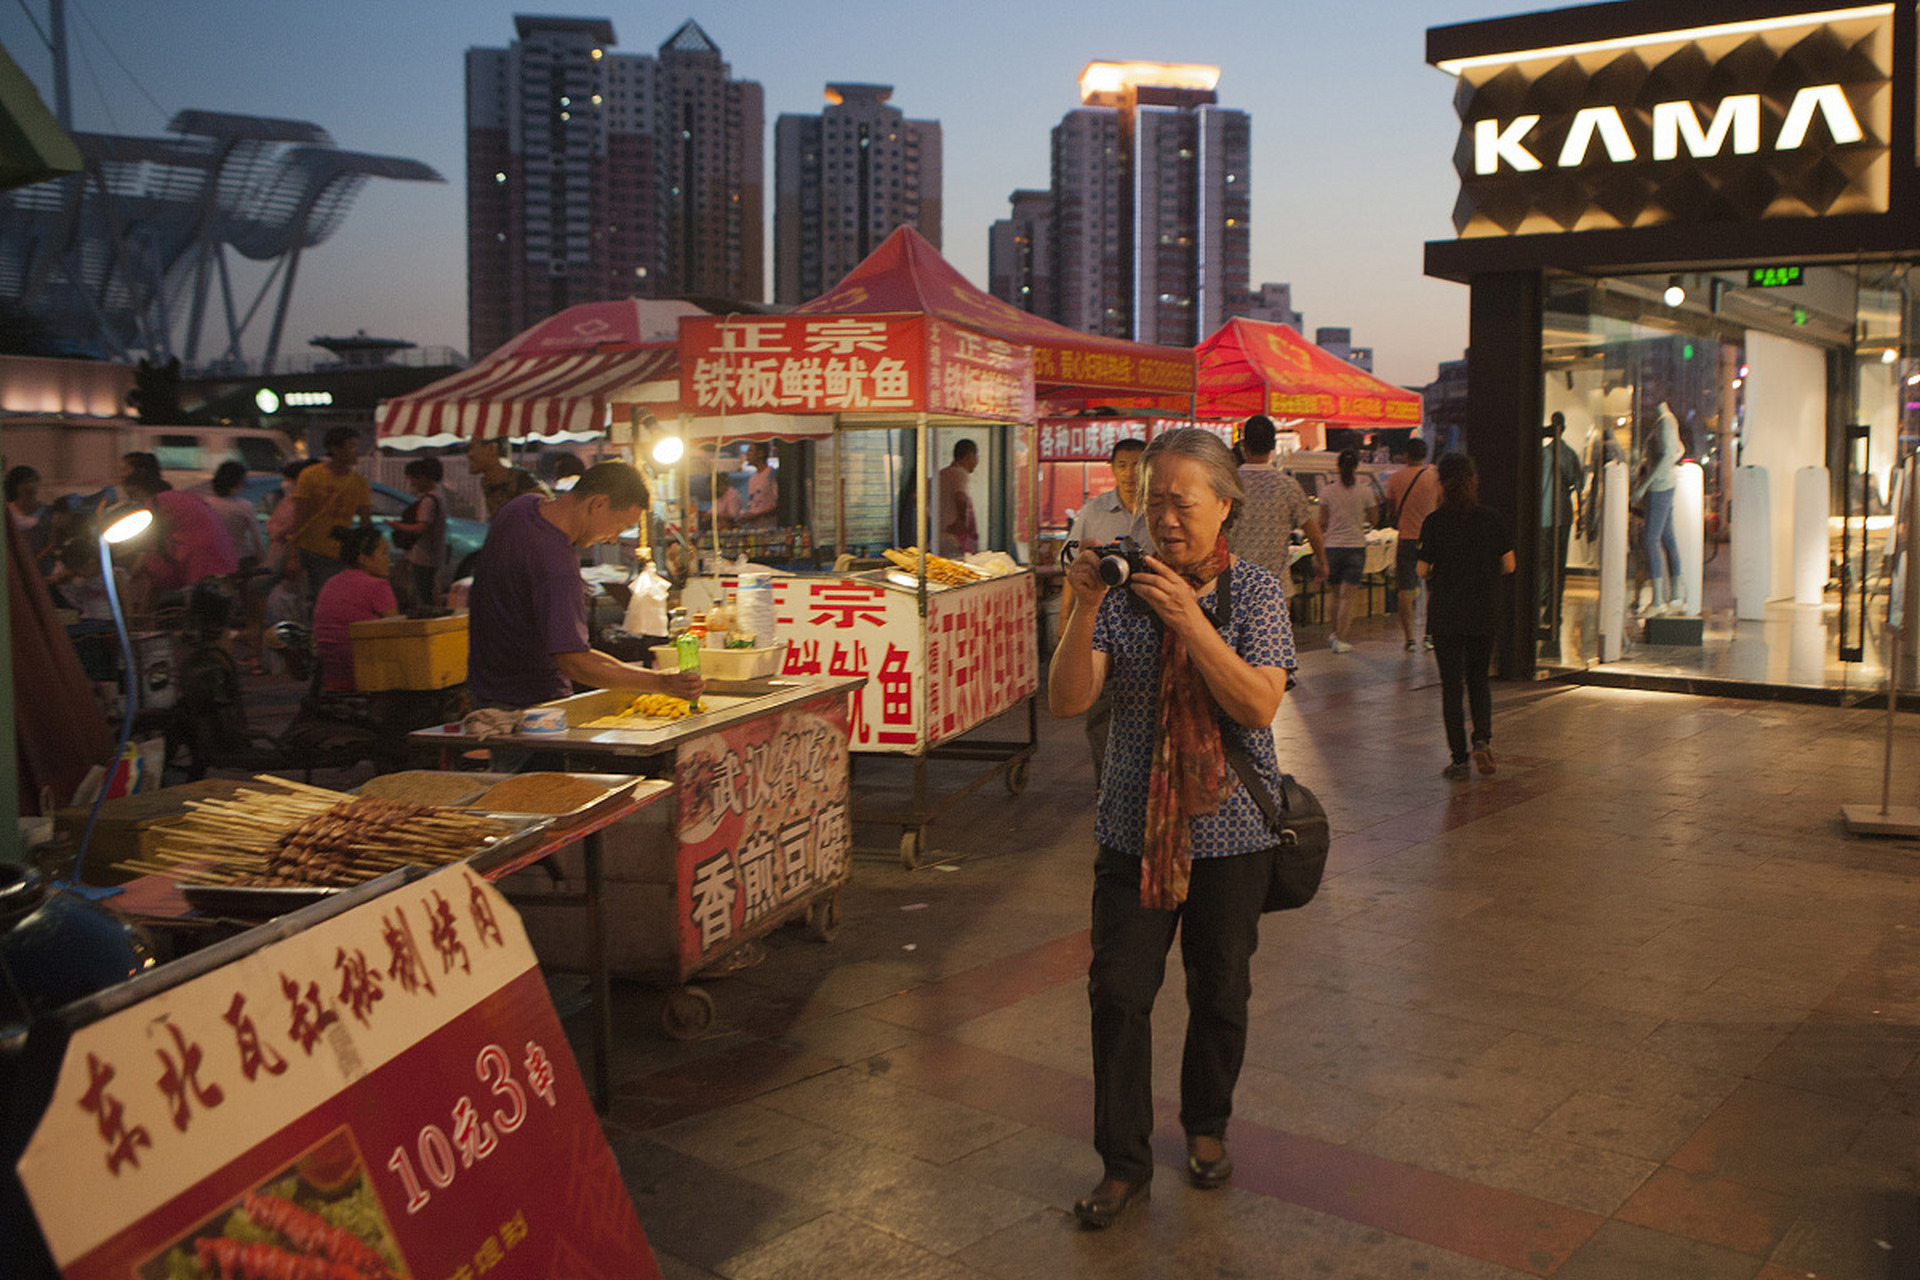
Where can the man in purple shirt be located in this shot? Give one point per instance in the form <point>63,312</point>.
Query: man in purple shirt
<point>527,612</point>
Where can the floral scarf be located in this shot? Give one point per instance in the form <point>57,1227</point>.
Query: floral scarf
<point>1190,775</point>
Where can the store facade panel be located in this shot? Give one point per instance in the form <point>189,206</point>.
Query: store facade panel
<point>1691,232</point>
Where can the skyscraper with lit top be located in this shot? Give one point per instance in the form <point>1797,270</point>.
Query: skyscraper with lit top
<point>1151,203</point>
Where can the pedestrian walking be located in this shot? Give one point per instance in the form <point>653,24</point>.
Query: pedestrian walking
<point>1346,508</point>
<point>1465,548</point>
<point>1196,649</point>
<point>1412,493</point>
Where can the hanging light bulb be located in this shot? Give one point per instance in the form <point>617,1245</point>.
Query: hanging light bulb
<point>1675,294</point>
<point>668,450</point>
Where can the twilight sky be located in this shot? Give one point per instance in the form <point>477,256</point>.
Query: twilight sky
<point>1352,131</point>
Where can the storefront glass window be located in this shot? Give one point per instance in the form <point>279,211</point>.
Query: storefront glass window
<point>1725,401</point>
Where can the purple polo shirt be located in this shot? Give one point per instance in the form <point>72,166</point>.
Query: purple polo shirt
<point>526,605</point>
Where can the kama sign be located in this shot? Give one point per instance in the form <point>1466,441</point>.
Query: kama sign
<point>364,1098</point>
<point>1781,118</point>
<point>851,364</point>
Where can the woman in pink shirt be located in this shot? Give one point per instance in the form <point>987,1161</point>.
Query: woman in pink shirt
<point>189,541</point>
<point>355,594</point>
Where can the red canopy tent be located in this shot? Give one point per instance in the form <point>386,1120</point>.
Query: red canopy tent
<point>906,274</point>
<point>1250,366</point>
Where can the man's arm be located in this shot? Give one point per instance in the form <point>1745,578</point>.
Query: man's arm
<point>604,671</point>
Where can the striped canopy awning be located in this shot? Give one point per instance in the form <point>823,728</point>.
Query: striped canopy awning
<point>538,397</point>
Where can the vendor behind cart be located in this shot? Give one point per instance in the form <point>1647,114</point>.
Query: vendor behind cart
<point>527,612</point>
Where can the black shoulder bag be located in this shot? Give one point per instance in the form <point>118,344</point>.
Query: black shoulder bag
<point>1298,820</point>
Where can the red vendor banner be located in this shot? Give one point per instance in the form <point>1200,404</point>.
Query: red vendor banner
<point>891,364</point>
<point>362,1099</point>
<point>763,822</point>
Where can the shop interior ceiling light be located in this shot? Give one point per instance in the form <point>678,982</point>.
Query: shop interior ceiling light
<point>1675,294</point>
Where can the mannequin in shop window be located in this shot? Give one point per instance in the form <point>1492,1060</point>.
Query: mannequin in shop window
<point>1663,453</point>
<point>1561,476</point>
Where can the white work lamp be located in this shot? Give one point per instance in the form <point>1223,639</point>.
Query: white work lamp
<point>131,525</point>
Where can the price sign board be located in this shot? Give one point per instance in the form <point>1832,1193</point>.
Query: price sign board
<point>364,1098</point>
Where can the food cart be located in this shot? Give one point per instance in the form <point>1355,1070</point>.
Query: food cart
<point>756,833</point>
<point>938,661</point>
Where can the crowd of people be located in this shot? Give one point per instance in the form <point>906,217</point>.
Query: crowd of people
<point>306,552</point>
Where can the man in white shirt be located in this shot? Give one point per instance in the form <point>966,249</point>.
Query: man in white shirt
<point>1117,513</point>
<point>1276,505</point>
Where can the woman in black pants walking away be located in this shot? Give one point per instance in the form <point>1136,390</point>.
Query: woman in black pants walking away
<point>1465,548</point>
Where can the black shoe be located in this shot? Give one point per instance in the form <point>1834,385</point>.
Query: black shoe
<point>1106,1201</point>
<point>1209,1174</point>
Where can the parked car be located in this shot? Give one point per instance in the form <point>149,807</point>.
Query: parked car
<point>463,536</point>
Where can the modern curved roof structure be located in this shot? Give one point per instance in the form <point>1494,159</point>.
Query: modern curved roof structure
<point>119,257</point>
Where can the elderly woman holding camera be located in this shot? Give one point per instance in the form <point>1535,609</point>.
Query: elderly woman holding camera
<point>1195,650</point>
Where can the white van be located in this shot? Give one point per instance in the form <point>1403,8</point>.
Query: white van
<point>84,456</point>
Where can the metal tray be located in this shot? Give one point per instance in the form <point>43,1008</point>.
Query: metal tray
<point>617,786</point>
<point>264,902</point>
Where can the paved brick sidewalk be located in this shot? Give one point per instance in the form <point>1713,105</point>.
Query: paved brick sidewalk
<point>1634,1007</point>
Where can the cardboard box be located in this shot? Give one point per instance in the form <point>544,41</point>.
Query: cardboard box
<point>409,653</point>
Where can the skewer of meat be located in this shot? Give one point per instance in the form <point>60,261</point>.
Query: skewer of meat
<point>223,1259</point>
<point>313,1234</point>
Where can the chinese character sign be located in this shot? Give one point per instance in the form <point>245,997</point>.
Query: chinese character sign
<point>359,1098</point>
<point>791,364</point>
<point>843,627</point>
<point>974,375</point>
<point>982,654</point>
<point>763,823</point>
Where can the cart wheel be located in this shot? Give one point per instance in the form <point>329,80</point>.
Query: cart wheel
<point>688,1013</point>
<point>823,918</point>
<point>910,841</point>
<point>1017,777</point>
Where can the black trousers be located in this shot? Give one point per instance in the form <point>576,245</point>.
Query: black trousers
<point>1463,667</point>
<point>1219,927</point>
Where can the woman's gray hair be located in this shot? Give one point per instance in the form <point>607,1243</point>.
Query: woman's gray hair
<point>1207,449</point>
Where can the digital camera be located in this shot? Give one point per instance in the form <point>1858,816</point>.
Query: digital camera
<point>1117,562</point>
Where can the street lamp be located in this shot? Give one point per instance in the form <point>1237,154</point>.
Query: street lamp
<point>131,525</point>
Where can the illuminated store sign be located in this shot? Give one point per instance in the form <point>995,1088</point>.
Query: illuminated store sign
<point>1775,277</point>
<point>1777,118</point>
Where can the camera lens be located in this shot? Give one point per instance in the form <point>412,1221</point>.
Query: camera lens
<point>1114,570</point>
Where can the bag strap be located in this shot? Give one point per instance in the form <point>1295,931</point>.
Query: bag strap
<point>1392,516</point>
<point>1230,739</point>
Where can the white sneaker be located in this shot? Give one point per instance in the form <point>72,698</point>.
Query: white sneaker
<point>1339,646</point>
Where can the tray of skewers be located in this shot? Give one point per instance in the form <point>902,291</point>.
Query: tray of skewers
<point>275,845</point>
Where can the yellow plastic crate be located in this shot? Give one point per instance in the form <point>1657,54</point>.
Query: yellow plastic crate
<point>409,653</point>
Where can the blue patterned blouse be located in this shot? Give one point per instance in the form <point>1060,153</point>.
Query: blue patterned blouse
<point>1261,632</point>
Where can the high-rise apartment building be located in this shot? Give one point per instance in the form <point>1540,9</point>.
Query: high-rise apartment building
<point>595,175</point>
<point>1339,342</point>
<point>1273,304</point>
<point>843,181</point>
<point>1151,203</point>
<point>714,172</point>
<point>1020,253</point>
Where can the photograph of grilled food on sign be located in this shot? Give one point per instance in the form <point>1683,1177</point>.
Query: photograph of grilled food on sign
<point>279,840</point>
<point>319,1217</point>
